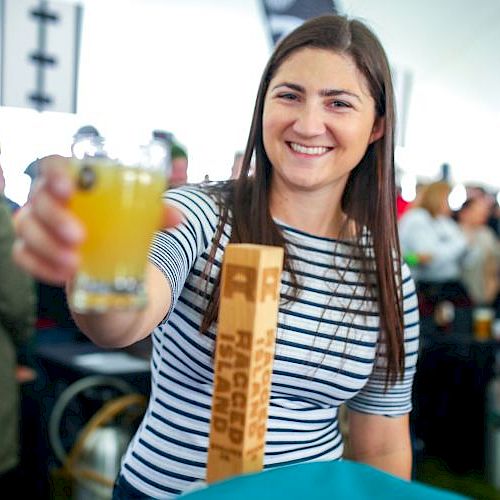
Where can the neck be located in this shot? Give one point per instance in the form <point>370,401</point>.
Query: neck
<point>314,213</point>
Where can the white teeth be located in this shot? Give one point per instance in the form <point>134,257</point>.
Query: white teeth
<point>317,150</point>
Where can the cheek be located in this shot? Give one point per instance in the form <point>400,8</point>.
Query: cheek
<point>361,125</point>
<point>275,119</point>
<point>356,135</point>
<point>269,131</point>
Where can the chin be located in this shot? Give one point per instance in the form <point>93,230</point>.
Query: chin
<point>303,184</point>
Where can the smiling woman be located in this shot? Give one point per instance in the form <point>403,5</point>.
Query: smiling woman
<point>321,187</point>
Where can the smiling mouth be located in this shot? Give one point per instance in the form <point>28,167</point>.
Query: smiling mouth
<point>309,150</point>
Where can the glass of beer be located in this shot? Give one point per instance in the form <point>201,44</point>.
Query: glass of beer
<point>118,199</point>
<point>482,318</point>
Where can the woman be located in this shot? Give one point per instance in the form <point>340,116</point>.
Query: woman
<point>323,188</point>
<point>429,232</point>
<point>481,270</point>
<point>17,310</point>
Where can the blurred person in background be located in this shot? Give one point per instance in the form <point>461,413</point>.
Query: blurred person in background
<point>494,217</point>
<point>52,308</point>
<point>179,165</point>
<point>179,158</point>
<point>481,269</point>
<point>237,164</point>
<point>32,170</point>
<point>402,205</point>
<point>494,224</point>
<point>17,312</point>
<point>12,205</point>
<point>238,161</point>
<point>438,247</point>
<point>86,131</point>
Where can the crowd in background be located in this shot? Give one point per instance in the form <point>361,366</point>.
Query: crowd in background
<point>454,257</point>
<point>17,313</point>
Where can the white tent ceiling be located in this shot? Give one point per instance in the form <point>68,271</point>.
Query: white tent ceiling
<point>193,66</point>
<point>452,48</point>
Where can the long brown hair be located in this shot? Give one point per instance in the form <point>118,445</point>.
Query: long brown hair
<point>369,198</point>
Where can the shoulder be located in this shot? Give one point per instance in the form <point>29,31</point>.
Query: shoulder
<point>414,215</point>
<point>407,282</point>
<point>195,193</point>
<point>410,302</point>
<point>488,235</point>
<point>197,199</point>
<point>448,226</point>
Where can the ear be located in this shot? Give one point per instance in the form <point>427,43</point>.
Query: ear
<point>378,129</point>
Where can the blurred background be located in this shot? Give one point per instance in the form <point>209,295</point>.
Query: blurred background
<point>192,67</point>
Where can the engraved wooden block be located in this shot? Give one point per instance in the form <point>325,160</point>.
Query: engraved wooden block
<point>246,336</point>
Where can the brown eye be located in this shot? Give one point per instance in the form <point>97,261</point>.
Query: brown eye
<point>288,96</point>
<point>86,177</point>
<point>341,104</point>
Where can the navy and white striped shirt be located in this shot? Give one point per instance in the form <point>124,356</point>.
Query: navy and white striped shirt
<point>325,355</point>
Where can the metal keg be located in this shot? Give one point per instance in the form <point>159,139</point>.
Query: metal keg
<point>94,460</point>
<point>102,453</point>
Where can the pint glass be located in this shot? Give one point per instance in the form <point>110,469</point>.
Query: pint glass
<point>482,318</point>
<point>118,198</point>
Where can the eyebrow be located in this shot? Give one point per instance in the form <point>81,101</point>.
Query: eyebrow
<point>322,92</point>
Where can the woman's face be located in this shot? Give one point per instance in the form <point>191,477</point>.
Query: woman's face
<point>478,212</point>
<point>318,121</point>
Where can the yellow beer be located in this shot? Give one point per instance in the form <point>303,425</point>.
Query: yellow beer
<point>120,208</point>
<point>482,321</point>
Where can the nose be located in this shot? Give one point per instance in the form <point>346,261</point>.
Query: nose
<point>309,121</point>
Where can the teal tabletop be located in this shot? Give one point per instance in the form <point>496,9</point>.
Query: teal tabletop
<point>320,481</point>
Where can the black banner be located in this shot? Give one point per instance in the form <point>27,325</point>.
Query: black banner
<point>285,15</point>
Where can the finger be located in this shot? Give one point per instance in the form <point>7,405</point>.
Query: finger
<point>37,240</point>
<point>37,267</point>
<point>56,176</point>
<point>57,219</point>
<point>171,217</point>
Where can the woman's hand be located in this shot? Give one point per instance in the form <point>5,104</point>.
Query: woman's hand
<point>47,234</point>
